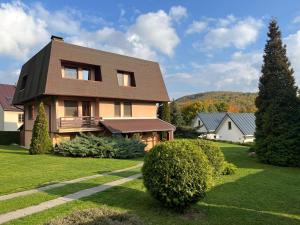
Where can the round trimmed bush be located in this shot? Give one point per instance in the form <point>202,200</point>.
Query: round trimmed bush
<point>213,153</point>
<point>177,173</point>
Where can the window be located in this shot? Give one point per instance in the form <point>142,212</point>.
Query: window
<point>86,108</point>
<point>30,112</point>
<point>127,109</point>
<point>117,109</point>
<point>86,74</point>
<point>199,123</point>
<point>229,125</point>
<point>21,118</point>
<point>71,72</point>
<point>125,79</point>
<point>24,81</point>
<point>71,108</point>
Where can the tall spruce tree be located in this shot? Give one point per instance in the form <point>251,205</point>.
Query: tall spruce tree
<point>176,117</point>
<point>40,142</point>
<point>277,105</point>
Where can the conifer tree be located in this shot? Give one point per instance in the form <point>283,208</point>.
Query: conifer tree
<point>166,112</point>
<point>176,117</point>
<point>40,142</point>
<point>277,104</point>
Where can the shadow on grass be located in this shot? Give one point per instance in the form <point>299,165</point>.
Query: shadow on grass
<point>261,198</point>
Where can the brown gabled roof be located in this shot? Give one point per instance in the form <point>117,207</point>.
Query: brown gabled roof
<point>118,126</point>
<point>6,95</point>
<point>44,75</point>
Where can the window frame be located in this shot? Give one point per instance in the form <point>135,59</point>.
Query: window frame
<point>117,104</point>
<point>229,124</point>
<point>21,118</point>
<point>89,74</point>
<point>24,82</point>
<point>70,67</point>
<point>65,107</point>
<point>128,104</point>
<point>131,78</point>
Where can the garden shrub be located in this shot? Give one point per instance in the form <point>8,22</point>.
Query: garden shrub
<point>9,137</point>
<point>186,132</point>
<point>97,216</point>
<point>213,153</point>
<point>177,173</point>
<point>101,147</point>
<point>229,168</point>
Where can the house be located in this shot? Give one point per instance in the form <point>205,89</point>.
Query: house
<point>207,123</point>
<point>11,117</point>
<point>237,127</point>
<point>88,90</point>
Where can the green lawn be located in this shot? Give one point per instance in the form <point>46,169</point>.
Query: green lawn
<point>256,194</point>
<point>21,171</point>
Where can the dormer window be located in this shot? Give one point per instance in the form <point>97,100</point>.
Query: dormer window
<point>24,81</point>
<point>125,79</point>
<point>80,71</point>
<point>71,72</point>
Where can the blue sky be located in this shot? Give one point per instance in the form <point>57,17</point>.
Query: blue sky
<point>200,45</point>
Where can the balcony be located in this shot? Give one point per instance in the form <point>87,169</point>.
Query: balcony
<point>78,124</point>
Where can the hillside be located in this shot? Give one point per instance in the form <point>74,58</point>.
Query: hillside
<point>236,101</point>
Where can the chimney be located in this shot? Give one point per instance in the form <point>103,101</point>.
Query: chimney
<point>56,38</point>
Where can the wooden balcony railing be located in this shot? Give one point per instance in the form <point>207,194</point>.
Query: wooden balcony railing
<point>78,122</point>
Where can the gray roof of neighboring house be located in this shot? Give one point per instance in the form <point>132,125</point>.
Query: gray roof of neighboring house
<point>244,121</point>
<point>211,120</point>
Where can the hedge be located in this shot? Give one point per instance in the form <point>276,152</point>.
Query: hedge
<point>9,137</point>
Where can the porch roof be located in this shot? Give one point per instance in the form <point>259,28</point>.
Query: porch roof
<point>119,126</point>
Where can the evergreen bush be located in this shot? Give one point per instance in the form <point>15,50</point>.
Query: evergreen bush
<point>177,173</point>
<point>101,147</point>
<point>97,216</point>
<point>40,142</point>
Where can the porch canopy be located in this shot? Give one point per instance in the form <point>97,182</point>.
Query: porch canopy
<point>123,126</point>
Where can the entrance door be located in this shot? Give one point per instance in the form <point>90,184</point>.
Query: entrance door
<point>86,109</point>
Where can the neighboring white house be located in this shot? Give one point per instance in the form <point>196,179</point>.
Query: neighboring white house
<point>207,123</point>
<point>11,118</point>
<point>237,127</point>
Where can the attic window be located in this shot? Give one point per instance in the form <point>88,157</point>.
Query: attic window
<point>229,125</point>
<point>24,81</point>
<point>125,79</point>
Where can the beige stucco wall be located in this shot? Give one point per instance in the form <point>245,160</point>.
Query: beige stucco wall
<point>146,110</point>
<point>11,120</point>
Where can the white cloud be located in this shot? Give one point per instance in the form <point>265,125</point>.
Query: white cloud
<point>155,29</point>
<point>178,12</point>
<point>196,27</point>
<point>240,73</point>
<point>293,51</point>
<point>229,32</point>
<point>296,19</point>
<point>20,31</point>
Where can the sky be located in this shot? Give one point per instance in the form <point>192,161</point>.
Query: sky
<point>200,45</point>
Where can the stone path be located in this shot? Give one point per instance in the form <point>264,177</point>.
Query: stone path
<point>61,184</point>
<point>64,199</point>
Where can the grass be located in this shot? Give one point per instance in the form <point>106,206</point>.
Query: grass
<point>21,171</point>
<point>256,194</point>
